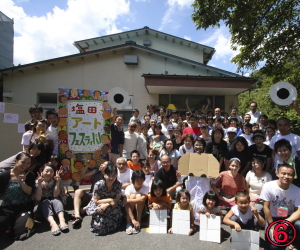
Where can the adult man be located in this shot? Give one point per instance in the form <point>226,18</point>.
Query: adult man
<point>150,112</point>
<point>82,198</point>
<point>153,122</point>
<point>281,201</point>
<point>234,113</point>
<point>36,113</point>
<point>193,129</point>
<point>124,173</point>
<point>167,174</point>
<point>247,118</point>
<point>117,136</point>
<point>253,113</point>
<point>130,140</point>
<point>218,114</point>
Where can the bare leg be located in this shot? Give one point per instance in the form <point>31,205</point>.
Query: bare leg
<point>129,208</point>
<point>77,202</point>
<point>61,218</point>
<point>52,223</point>
<point>139,208</point>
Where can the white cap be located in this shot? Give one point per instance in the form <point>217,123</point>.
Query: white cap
<point>231,129</point>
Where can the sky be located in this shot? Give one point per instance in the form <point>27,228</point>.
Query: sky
<point>46,29</point>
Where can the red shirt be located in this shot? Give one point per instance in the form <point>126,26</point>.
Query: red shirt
<point>230,185</point>
<point>194,131</point>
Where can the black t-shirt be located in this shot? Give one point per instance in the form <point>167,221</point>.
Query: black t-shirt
<point>97,177</point>
<point>266,153</point>
<point>177,146</point>
<point>117,137</point>
<point>218,150</point>
<point>243,156</point>
<point>169,178</point>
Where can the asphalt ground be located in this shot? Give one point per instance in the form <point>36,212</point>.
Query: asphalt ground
<point>82,238</point>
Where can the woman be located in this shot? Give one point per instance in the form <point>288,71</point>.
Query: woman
<point>165,124</point>
<point>16,188</point>
<point>187,147</point>
<point>162,113</point>
<point>105,206</point>
<point>217,146</point>
<point>241,151</point>
<point>199,145</point>
<point>157,131</point>
<point>230,182</point>
<point>270,132</point>
<point>168,149</point>
<point>154,164</point>
<point>263,122</point>
<point>255,179</point>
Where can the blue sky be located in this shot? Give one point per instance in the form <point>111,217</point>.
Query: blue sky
<point>47,29</point>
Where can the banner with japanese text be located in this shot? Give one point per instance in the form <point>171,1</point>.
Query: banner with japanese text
<point>83,133</point>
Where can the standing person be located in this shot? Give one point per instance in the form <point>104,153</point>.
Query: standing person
<point>193,129</point>
<point>247,129</point>
<point>270,132</point>
<point>187,147</point>
<point>168,149</point>
<point>235,123</point>
<point>231,134</point>
<point>234,114</point>
<point>167,174</point>
<point>135,116</point>
<point>150,111</point>
<point>217,146</point>
<point>36,113</point>
<point>153,123</point>
<point>117,136</point>
<point>162,114</point>
<point>16,188</point>
<point>247,118</point>
<point>205,133</point>
<point>284,125</point>
<point>254,113</point>
<point>263,122</point>
<point>178,139</point>
<point>281,195</point>
<point>165,124</point>
<point>52,131</point>
<point>143,143</point>
<point>130,140</point>
<point>218,114</point>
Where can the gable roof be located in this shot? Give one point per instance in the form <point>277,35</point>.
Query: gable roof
<point>128,44</point>
<point>4,18</point>
<point>83,45</point>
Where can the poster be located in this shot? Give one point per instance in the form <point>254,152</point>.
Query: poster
<point>83,132</point>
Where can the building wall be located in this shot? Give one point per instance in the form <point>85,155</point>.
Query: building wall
<point>103,73</point>
<point>6,41</point>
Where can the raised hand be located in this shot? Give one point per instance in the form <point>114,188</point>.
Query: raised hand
<point>57,176</point>
<point>22,177</point>
<point>61,171</point>
<point>40,178</point>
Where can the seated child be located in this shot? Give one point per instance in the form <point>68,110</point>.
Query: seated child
<point>149,175</point>
<point>159,199</point>
<point>210,204</point>
<point>157,143</point>
<point>134,201</point>
<point>242,215</point>
<point>183,198</point>
<point>134,164</point>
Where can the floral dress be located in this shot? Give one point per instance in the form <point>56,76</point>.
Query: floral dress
<point>108,221</point>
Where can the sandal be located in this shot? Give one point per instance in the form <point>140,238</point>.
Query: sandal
<point>77,221</point>
<point>64,229</point>
<point>56,232</point>
<point>129,229</point>
<point>136,229</point>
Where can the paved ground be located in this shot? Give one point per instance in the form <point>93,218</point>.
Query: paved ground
<point>82,238</point>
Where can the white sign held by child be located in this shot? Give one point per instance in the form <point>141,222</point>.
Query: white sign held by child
<point>245,240</point>
<point>181,221</point>
<point>158,222</point>
<point>210,228</point>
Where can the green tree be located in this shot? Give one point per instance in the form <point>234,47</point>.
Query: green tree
<point>263,30</point>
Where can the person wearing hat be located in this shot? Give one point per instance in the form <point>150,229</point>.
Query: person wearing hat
<point>231,134</point>
<point>171,132</point>
<point>260,149</point>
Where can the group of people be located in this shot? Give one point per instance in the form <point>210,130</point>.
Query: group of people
<point>258,181</point>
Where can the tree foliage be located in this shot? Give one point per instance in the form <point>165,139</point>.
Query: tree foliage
<point>263,30</point>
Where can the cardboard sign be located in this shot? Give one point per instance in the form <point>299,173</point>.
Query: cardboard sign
<point>199,164</point>
<point>245,240</point>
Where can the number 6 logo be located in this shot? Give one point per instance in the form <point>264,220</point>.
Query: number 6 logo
<point>279,235</point>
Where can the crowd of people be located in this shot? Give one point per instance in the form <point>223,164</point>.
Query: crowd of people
<point>258,181</point>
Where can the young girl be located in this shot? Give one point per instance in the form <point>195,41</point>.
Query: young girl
<point>183,203</point>
<point>30,136</point>
<point>210,204</point>
<point>230,182</point>
<point>199,145</point>
<point>242,215</point>
<point>187,146</point>
<point>159,199</point>
<point>149,175</point>
<point>48,189</point>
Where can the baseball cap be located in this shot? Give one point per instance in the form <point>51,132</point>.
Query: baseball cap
<point>231,130</point>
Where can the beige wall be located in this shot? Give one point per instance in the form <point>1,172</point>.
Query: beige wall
<point>9,136</point>
<point>103,73</point>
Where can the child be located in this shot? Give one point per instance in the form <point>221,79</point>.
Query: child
<point>135,115</point>
<point>48,189</point>
<point>187,146</point>
<point>134,202</point>
<point>157,143</point>
<point>183,198</point>
<point>134,163</point>
<point>242,215</point>
<point>149,175</point>
<point>159,199</point>
<point>210,204</point>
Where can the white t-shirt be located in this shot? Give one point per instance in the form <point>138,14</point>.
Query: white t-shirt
<point>142,146</point>
<point>164,129</point>
<point>53,135</point>
<point>248,138</point>
<point>131,190</point>
<point>28,138</point>
<point>243,217</point>
<point>181,153</point>
<point>256,183</point>
<point>124,177</point>
<point>292,138</point>
<point>254,117</point>
<point>279,197</point>
<point>130,143</point>
<point>215,210</point>
<point>174,154</point>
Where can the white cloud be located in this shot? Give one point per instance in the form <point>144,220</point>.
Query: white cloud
<point>180,3</point>
<point>187,38</point>
<point>220,40</point>
<point>125,28</point>
<point>53,34</point>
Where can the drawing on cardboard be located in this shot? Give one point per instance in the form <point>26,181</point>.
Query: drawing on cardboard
<point>210,228</point>
<point>181,221</point>
<point>245,240</point>
<point>158,222</point>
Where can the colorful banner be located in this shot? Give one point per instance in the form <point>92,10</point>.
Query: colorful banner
<point>83,132</point>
